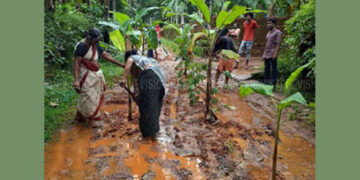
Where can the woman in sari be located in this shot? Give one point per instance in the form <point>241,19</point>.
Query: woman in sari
<point>89,81</point>
<point>149,81</point>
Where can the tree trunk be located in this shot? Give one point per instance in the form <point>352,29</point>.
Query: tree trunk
<point>182,19</point>
<point>210,7</point>
<point>271,10</point>
<point>106,14</point>
<point>114,5</point>
<point>176,11</point>
<point>49,4</point>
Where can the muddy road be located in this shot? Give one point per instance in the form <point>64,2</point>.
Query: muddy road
<point>238,146</point>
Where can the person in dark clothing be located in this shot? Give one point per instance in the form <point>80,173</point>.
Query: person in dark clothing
<point>273,40</point>
<point>223,42</point>
<point>150,89</point>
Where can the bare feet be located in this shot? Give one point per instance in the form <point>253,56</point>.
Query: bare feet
<point>96,124</point>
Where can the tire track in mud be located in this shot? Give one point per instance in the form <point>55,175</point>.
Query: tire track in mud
<point>238,147</point>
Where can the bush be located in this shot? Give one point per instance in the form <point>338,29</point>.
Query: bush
<point>201,48</point>
<point>64,28</point>
<point>299,47</point>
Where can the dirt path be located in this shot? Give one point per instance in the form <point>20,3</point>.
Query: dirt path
<point>238,147</point>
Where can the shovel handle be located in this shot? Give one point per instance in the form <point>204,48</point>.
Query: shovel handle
<point>132,94</point>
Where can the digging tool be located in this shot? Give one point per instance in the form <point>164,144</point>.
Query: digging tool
<point>132,94</point>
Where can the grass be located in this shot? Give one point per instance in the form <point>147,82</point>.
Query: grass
<point>61,98</point>
<point>170,45</point>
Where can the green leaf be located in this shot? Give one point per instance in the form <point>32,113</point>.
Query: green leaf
<point>227,74</point>
<point>213,100</point>
<point>297,97</point>
<point>152,38</point>
<point>221,18</point>
<point>227,87</point>
<point>134,37</point>
<point>214,91</point>
<point>229,54</point>
<point>121,17</point>
<point>229,106</point>
<point>157,22</point>
<point>170,14</point>
<point>171,26</point>
<point>117,39</point>
<point>110,24</point>
<point>195,17</point>
<point>294,75</point>
<point>257,11</point>
<point>144,12</point>
<point>246,89</point>
<point>196,37</point>
<point>235,12</point>
<point>312,105</point>
<point>226,5</point>
<point>200,4</point>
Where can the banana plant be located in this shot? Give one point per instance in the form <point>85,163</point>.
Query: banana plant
<point>135,31</point>
<point>267,90</point>
<point>223,19</point>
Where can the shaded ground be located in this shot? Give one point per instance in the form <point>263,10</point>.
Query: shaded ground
<point>239,146</point>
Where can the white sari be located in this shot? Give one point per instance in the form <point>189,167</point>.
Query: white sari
<point>92,86</point>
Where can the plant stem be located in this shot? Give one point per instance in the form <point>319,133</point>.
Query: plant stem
<point>276,144</point>
<point>208,84</point>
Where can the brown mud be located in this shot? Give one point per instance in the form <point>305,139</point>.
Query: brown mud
<point>239,146</point>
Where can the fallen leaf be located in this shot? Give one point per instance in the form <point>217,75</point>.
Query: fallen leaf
<point>53,104</point>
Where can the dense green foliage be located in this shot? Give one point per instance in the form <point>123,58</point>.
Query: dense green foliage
<point>299,48</point>
<point>66,26</point>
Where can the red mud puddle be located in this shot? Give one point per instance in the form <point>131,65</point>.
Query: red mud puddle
<point>69,158</point>
<point>139,165</point>
<point>65,158</point>
<point>296,155</point>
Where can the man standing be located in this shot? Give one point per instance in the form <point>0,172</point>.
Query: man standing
<point>246,44</point>
<point>158,30</point>
<point>273,40</point>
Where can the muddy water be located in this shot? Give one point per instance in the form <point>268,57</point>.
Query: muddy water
<point>297,156</point>
<point>65,158</point>
<point>238,147</point>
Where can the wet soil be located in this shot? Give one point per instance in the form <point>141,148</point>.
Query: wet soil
<point>239,146</point>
